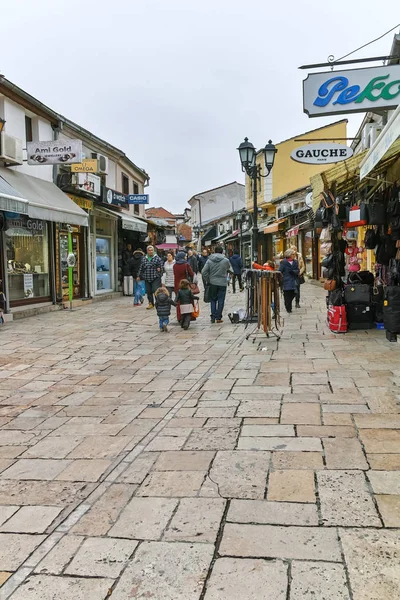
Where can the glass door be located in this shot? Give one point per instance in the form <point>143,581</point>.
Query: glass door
<point>103,263</point>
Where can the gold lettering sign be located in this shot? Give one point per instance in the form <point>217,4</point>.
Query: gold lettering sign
<point>82,202</point>
<point>87,166</point>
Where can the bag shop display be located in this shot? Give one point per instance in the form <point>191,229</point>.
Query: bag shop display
<point>326,235</point>
<point>330,285</point>
<point>337,319</point>
<point>371,239</point>
<point>335,298</point>
<point>360,316</point>
<point>325,248</point>
<point>361,277</point>
<point>376,213</point>
<point>391,309</point>
<point>357,216</point>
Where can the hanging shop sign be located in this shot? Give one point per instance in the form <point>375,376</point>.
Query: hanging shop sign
<point>82,202</point>
<point>138,199</point>
<point>64,152</point>
<point>91,184</point>
<point>317,154</point>
<point>387,138</point>
<point>355,90</point>
<point>114,197</point>
<point>87,166</point>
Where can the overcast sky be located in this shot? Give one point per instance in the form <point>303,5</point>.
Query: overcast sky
<point>178,84</point>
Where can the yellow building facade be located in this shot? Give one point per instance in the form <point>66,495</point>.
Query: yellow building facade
<point>288,175</point>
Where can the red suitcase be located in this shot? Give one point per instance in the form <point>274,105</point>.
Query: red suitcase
<point>337,319</point>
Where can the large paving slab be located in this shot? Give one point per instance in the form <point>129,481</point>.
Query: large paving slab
<point>197,464</point>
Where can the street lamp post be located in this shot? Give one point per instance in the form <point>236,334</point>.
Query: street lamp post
<point>248,159</point>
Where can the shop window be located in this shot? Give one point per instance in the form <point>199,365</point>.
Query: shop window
<point>27,258</point>
<point>125,184</point>
<point>103,264</point>
<point>28,129</point>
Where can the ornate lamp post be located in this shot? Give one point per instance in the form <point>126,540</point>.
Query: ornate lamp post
<point>248,155</point>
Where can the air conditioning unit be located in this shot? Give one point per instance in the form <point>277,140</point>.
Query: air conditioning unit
<point>102,163</point>
<point>11,149</point>
<point>370,134</point>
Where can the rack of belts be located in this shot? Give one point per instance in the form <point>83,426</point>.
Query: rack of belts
<point>263,302</point>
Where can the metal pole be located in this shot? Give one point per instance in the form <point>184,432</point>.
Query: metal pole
<point>255,215</point>
<point>70,272</point>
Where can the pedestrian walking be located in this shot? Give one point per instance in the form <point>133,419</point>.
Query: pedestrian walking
<point>163,307</point>
<point>237,267</point>
<point>135,264</point>
<point>186,300</point>
<point>2,303</point>
<point>169,273</point>
<point>192,261</point>
<point>150,272</point>
<point>202,259</point>
<point>215,273</point>
<point>300,279</point>
<point>182,270</point>
<point>289,268</point>
<point>126,271</point>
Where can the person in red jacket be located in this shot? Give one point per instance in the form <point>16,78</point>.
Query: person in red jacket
<point>182,270</point>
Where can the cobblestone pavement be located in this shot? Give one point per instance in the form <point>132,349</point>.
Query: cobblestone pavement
<point>197,465</point>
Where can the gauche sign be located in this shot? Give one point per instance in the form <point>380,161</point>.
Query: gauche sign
<point>321,154</point>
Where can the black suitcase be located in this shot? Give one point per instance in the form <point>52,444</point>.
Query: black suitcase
<point>357,293</point>
<point>360,316</point>
<point>391,309</point>
<point>365,277</point>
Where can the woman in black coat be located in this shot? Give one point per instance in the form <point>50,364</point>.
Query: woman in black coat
<point>289,268</point>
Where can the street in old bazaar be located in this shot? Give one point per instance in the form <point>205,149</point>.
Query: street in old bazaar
<point>197,464</point>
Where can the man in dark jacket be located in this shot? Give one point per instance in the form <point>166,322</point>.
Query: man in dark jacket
<point>289,268</point>
<point>202,259</point>
<point>150,272</point>
<point>192,261</point>
<point>214,275</point>
<point>237,267</point>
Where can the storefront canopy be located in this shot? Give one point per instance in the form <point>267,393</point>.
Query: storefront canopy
<point>132,223</point>
<point>167,246</point>
<point>44,199</point>
<point>209,234</point>
<point>386,148</point>
<point>11,200</point>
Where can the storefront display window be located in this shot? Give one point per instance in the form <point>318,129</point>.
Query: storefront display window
<point>103,263</point>
<point>27,258</point>
<point>308,252</point>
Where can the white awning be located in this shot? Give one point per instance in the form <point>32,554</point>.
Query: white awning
<point>387,145</point>
<point>11,200</point>
<point>45,200</point>
<point>132,223</point>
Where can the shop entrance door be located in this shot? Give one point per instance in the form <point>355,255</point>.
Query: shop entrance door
<point>77,279</point>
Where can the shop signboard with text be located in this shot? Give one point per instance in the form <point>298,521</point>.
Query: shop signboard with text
<point>138,199</point>
<point>351,91</point>
<point>91,184</point>
<point>113,197</point>
<point>321,154</point>
<point>89,165</point>
<point>56,152</point>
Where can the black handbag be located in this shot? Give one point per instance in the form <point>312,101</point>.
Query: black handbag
<point>377,213</point>
<point>336,297</point>
<point>207,294</point>
<point>322,216</point>
<point>328,261</point>
<point>359,293</point>
<point>371,239</point>
<point>391,309</point>
<point>336,223</point>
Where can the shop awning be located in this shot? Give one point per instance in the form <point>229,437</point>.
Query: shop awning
<point>293,231</point>
<point>167,246</point>
<point>386,147</point>
<point>11,200</point>
<point>45,200</point>
<point>222,237</point>
<point>209,234</point>
<point>232,236</point>
<point>132,223</point>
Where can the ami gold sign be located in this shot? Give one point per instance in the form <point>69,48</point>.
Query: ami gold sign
<point>86,166</point>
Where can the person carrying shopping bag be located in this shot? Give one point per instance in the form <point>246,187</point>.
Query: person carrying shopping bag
<point>186,300</point>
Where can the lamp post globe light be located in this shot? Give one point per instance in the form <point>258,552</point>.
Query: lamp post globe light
<point>248,159</point>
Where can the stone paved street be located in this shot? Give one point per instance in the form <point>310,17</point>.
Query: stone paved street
<point>197,465</point>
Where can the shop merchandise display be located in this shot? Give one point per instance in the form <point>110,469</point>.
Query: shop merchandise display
<point>366,298</point>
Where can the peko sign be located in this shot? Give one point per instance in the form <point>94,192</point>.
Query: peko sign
<point>321,154</point>
<point>356,90</point>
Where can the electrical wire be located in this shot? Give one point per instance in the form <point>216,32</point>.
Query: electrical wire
<point>365,45</point>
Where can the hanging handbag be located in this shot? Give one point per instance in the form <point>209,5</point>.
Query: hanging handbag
<point>328,261</point>
<point>357,215</point>
<point>321,217</point>
<point>336,223</point>
<point>330,285</point>
<point>326,235</point>
<point>328,199</point>
<point>196,310</point>
<point>376,213</point>
<point>336,297</point>
<point>326,248</point>
<point>371,239</point>
<point>340,208</point>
